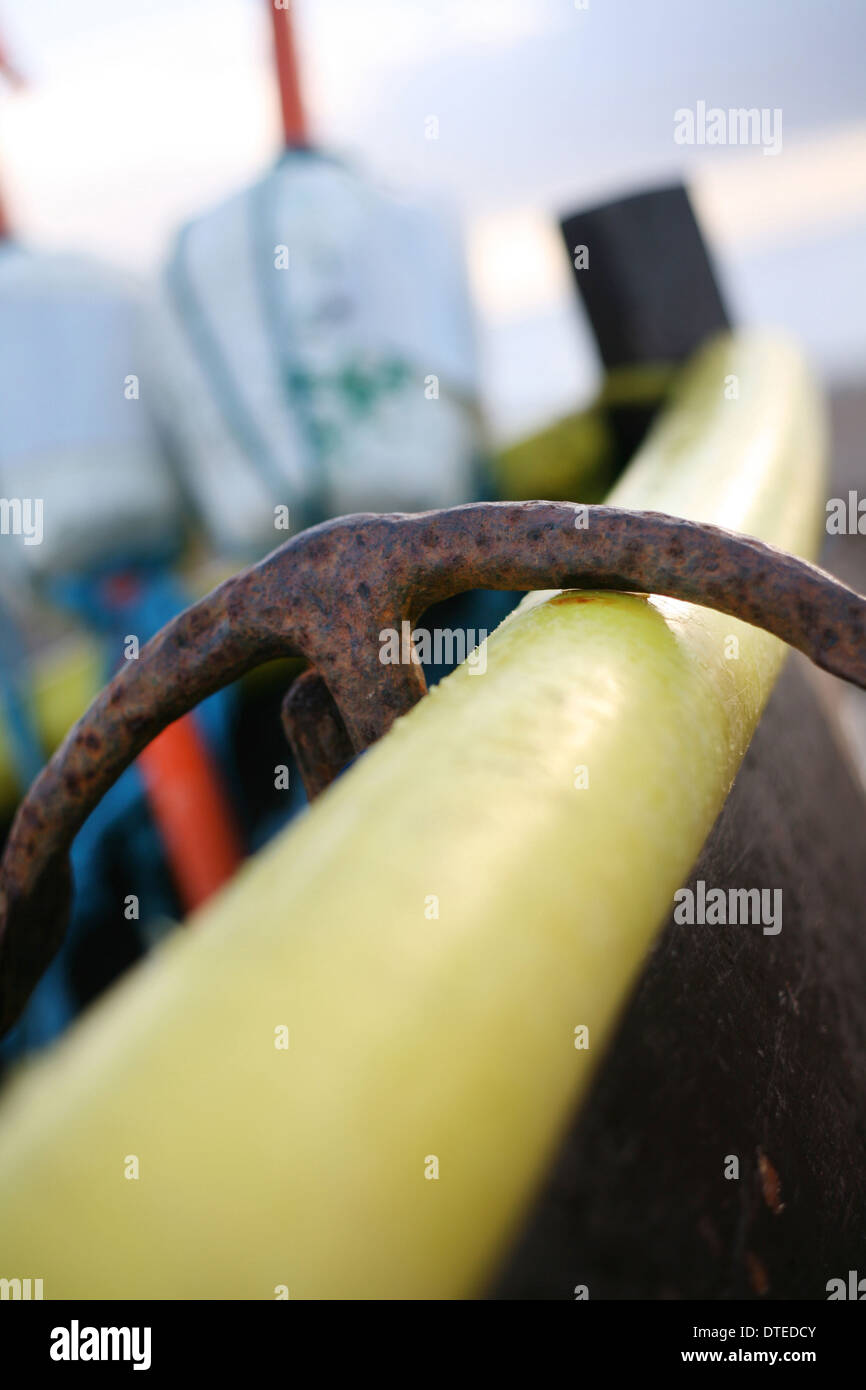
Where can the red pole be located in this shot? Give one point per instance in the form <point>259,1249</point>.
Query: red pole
<point>191,810</point>
<point>291,103</point>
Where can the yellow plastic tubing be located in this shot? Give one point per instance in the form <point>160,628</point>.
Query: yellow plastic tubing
<point>431,935</point>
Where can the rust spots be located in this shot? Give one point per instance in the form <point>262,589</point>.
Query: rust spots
<point>325,595</point>
<point>759,1279</point>
<point>570,597</point>
<point>708,1233</point>
<point>771,1186</point>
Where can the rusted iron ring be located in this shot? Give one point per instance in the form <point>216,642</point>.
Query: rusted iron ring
<point>326,595</point>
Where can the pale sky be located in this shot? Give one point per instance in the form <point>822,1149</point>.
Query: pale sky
<point>141,112</point>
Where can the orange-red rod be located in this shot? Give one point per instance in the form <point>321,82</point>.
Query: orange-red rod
<point>192,812</point>
<point>291,101</point>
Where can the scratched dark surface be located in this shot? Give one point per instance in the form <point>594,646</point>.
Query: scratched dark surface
<point>733,1043</point>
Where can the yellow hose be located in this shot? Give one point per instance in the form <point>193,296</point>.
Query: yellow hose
<point>432,934</point>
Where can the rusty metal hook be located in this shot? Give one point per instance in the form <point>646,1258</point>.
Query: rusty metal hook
<point>326,595</point>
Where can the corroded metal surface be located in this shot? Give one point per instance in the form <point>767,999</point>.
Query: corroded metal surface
<point>316,732</point>
<point>326,595</point>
